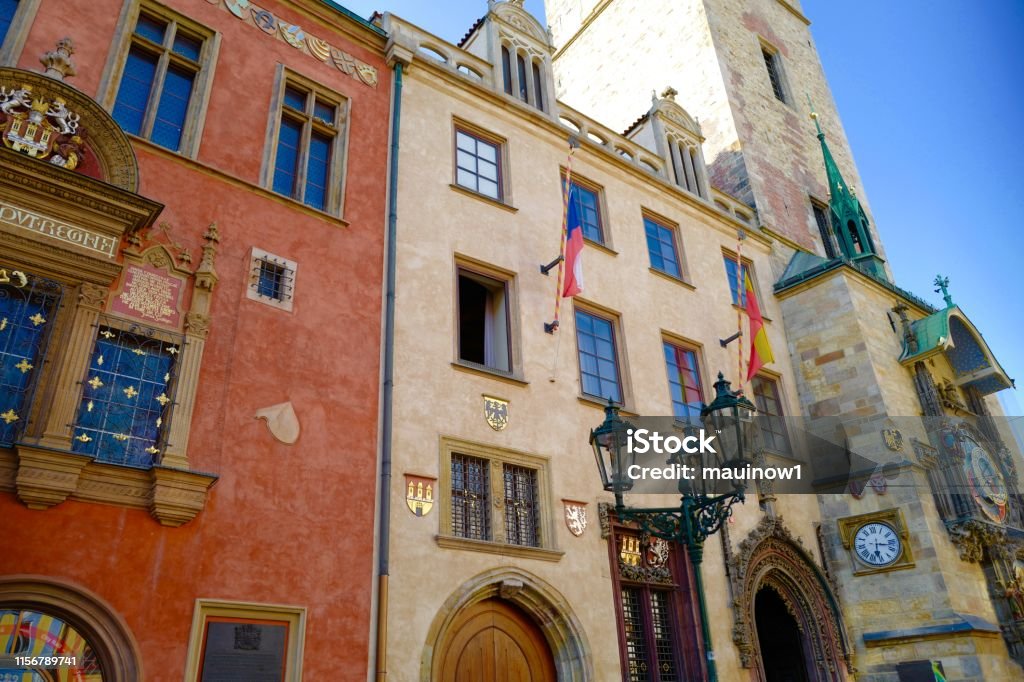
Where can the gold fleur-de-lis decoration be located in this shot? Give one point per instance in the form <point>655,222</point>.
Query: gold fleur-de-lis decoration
<point>24,365</point>
<point>99,361</point>
<point>167,377</point>
<point>159,421</point>
<point>3,324</point>
<point>163,399</point>
<point>10,416</point>
<point>120,436</point>
<point>83,438</point>
<point>89,406</point>
<point>173,350</point>
<point>152,450</point>
<point>37,319</point>
<point>138,351</point>
<point>131,392</point>
<point>95,383</point>
<point>107,334</point>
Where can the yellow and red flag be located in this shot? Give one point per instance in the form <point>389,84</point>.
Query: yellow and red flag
<point>760,351</point>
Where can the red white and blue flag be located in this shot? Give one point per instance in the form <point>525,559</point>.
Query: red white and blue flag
<point>573,250</point>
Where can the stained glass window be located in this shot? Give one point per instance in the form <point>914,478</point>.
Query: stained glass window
<point>306,142</point>
<point>25,632</point>
<point>661,246</point>
<point>684,382</point>
<point>28,305</point>
<point>127,397</point>
<point>599,365</point>
<point>158,81</point>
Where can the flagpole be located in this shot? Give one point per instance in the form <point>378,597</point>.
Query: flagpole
<point>740,294</point>
<point>566,193</point>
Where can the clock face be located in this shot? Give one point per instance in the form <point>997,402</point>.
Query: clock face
<point>877,544</point>
<point>986,480</point>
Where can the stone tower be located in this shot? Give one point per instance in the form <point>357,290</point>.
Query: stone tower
<point>744,68</point>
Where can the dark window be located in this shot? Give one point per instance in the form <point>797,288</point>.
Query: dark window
<point>851,227</point>
<point>538,87</point>
<point>522,515</point>
<point>506,69</point>
<point>483,321</point>
<point>771,62</point>
<point>588,210</point>
<point>471,488</point>
<point>738,290</point>
<point>599,365</point>
<point>127,397</point>
<point>523,85</point>
<point>273,280</point>
<point>7,10</point>
<point>306,141</point>
<point>683,382</point>
<point>28,305</point>
<point>661,246</point>
<point>158,81</point>
<point>821,218</point>
<point>476,164</point>
<point>770,414</point>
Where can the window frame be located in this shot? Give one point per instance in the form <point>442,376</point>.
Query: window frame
<point>475,267</point>
<point>337,167</point>
<point>252,292</point>
<point>501,146</point>
<point>195,116</point>
<point>498,458</point>
<point>776,73</point>
<point>599,205</point>
<point>748,265</point>
<point>679,344</point>
<point>13,42</point>
<point>617,345</point>
<point>828,239</point>
<point>677,245</point>
<point>775,382</point>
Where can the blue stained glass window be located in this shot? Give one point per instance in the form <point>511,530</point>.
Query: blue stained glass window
<point>661,245</point>
<point>318,170</point>
<point>599,365</point>
<point>126,398</point>
<point>27,314</point>
<point>7,10</point>
<point>133,95</point>
<point>170,116</point>
<point>286,164</point>
<point>739,295</point>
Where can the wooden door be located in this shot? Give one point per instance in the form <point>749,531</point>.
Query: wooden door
<point>492,641</point>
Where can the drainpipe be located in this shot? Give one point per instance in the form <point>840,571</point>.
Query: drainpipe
<point>398,55</point>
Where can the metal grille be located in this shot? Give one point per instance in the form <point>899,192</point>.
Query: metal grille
<point>28,307</point>
<point>521,513</point>
<point>272,278</point>
<point>471,497</point>
<point>127,396</point>
<point>772,62</point>
<point>636,640</point>
<point>664,637</point>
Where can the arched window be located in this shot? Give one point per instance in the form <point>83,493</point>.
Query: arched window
<point>506,69</point>
<point>854,237</point>
<point>523,87</point>
<point>538,87</point>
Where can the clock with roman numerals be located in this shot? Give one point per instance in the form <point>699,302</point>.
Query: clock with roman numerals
<point>877,544</point>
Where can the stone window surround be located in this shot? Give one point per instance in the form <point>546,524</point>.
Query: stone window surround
<point>768,49</point>
<point>625,384</point>
<point>602,212</point>
<point>110,82</point>
<point>684,270</point>
<point>472,265</point>
<point>287,300</point>
<point>504,187</point>
<point>497,456</point>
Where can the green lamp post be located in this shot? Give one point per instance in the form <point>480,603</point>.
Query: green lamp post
<point>700,513</point>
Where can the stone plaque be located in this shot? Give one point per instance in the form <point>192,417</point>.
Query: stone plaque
<point>150,295</point>
<point>239,651</point>
<point>23,220</point>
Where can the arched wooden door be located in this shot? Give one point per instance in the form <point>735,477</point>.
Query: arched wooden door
<point>493,641</point>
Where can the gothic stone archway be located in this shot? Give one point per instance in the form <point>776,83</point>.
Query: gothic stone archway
<point>771,558</point>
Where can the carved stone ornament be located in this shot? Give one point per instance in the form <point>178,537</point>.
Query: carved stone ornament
<point>282,422</point>
<point>92,295</point>
<point>971,537</point>
<point>771,557</point>
<point>40,126</point>
<point>197,324</point>
<point>57,63</point>
<point>575,516</point>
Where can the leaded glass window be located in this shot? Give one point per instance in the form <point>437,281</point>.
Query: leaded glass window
<point>25,632</point>
<point>307,145</point>
<point>28,307</point>
<point>599,365</point>
<point>161,69</point>
<point>661,247</point>
<point>522,515</point>
<point>471,496</point>
<point>127,396</point>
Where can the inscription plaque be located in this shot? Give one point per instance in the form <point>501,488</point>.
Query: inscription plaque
<point>149,294</point>
<point>238,651</point>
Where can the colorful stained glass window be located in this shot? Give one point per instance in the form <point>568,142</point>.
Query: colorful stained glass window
<point>599,365</point>
<point>25,632</point>
<point>661,246</point>
<point>127,397</point>
<point>28,306</point>
<point>306,141</point>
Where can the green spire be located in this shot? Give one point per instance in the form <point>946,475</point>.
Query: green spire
<point>943,286</point>
<point>849,222</point>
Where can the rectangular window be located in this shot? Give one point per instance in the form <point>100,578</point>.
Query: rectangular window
<point>127,397</point>
<point>271,279</point>
<point>738,289</point>
<point>484,337</point>
<point>770,415</point>
<point>156,96</point>
<point>477,164</point>
<point>588,208</point>
<point>772,63</point>
<point>308,146</point>
<point>684,382</point>
<point>28,305</point>
<point>522,521</point>
<point>598,357</point>
<point>470,497</point>
<point>7,11</point>
<point>661,246</point>
<point>821,213</point>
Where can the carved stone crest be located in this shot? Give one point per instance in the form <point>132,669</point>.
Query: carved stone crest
<point>893,439</point>
<point>575,516</point>
<point>41,127</point>
<point>496,412</point>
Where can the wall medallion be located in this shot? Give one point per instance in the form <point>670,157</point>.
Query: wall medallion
<point>496,412</point>
<point>575,516</point>
<point>419,494</point>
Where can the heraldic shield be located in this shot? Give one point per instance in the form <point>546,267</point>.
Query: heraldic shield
<point>419,494</point>
<point>496,412</point>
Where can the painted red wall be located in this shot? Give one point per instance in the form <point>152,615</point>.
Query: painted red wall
<point>284,524</point>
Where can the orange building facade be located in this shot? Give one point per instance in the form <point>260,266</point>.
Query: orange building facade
<point>192,221</point>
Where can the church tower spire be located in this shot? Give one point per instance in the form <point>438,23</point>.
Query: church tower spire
<point>849,222</point>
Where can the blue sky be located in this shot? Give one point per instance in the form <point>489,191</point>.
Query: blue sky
<point>931,97</point>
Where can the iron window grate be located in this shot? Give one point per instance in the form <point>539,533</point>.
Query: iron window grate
<point>636,641</point>
<point>771,61</point>
<point>471,497</point>
<point>272,278</point>
<point>522,520</point>
<point>663,637</point>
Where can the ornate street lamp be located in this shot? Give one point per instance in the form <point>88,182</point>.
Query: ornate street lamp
<point>730,417</point>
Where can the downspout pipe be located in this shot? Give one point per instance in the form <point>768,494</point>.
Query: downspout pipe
<point>387,397</point>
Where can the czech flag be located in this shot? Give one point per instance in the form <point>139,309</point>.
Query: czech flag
<point>760,351</point>
<point>573,250</point>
